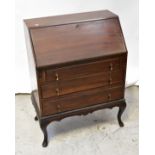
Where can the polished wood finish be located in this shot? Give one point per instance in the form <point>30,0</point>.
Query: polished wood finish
<point>75,42</point>
<point>78,63</point>
<point>69,18</point>
<point>80,84</point>
<point>83,69</point>
<point>81,99</point>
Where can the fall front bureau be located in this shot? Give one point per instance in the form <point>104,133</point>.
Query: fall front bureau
<point>77,65</point>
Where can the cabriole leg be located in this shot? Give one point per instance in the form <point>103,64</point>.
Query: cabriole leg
<point>36,118</point>
<point>120,112</point>
<point>44,130</point>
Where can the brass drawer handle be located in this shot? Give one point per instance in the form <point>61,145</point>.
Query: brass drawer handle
<point>109,96</point>
<point>57,91</point>
<point>58,108</point>
<point>111,66</point>
<point>57,76</point>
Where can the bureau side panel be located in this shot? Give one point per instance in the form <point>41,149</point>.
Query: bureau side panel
<point>124,64</point>
<point>32,68</point>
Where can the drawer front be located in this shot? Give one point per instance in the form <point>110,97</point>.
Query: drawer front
<point>81,70</point>
<point>81,100</point>
<point>105,79</point>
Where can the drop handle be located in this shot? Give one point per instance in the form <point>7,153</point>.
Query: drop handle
<point>57,76</point>
<point>57,91</point>
<point>58,106</point>
<point>59,110</point>
<point>111,66</point>
<point>109,96</point>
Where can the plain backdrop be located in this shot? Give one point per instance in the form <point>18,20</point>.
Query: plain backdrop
<point>147,63</point>
<point>126,9</point>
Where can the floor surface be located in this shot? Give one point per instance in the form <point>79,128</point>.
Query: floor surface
<point>94,134</point>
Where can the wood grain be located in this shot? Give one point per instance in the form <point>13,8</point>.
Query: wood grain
<point>78,63</point>
<point>81,70</point>
<point>68,18</point>
<point>67,43</point>
<point>82,99</point>
<point>105,80</point>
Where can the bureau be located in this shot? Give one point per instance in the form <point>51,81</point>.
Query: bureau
<point>77,65</point>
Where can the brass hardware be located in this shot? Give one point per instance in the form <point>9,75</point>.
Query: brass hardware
<point>111,66</point>
<point>58,106</point>
<point>59,110</point>
<point>109,96</point>
<point>57,76</point>
<point>36,24</point>
<point>57,91</point>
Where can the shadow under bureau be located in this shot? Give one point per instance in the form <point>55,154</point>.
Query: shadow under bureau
<point>77,65</point>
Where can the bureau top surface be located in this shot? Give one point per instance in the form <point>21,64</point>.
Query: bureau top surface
<point>68,18</point>
<point>69,38</point>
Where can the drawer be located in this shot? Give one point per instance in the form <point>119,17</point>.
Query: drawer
<point>105,79</point>
<point>80,70</point>
<point>81,100</point>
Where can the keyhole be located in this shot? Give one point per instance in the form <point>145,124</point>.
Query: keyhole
<point>77,26</point>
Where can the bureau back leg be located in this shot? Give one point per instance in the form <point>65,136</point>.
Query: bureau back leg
<point>36,118</point>
<point>122,107</point>
<point>44,130</point>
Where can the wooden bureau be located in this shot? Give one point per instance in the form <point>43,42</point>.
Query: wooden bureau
<point>77,65</point>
